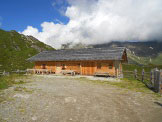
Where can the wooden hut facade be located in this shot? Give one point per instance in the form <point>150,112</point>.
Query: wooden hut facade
<point>90,61</point>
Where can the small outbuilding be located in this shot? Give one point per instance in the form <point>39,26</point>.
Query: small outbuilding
<point>88,61</point>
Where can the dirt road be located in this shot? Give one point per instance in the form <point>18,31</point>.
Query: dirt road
<point>56,99</point>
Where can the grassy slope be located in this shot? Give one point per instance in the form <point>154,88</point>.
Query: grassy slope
<point>157,60</point>
<point>16,48</point>
<point>147,68</point>
<point>145,60</point>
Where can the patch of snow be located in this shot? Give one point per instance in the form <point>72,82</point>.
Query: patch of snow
<point>151,48</point>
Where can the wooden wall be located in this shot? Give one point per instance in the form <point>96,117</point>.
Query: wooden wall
<point>106,66</point>
<point>49,65</point>
<point>88,67</point>
<point>124,57</point>
<point>69,65</point>
<point>114,68</point>
<point>82,67</point>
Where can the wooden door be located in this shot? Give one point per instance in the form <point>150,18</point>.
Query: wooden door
<point>88,68</point>
<point>58,68</point>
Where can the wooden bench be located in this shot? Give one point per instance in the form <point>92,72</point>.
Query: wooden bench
<point>71,72</point>
<point>105,74</point>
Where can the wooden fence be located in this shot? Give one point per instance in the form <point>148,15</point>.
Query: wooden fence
<point>3,73</point>
<point>27,71</point>
<point>152,79</point>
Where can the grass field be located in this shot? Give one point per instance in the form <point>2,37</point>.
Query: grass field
<point>7,81</point>
<point>147,68</point>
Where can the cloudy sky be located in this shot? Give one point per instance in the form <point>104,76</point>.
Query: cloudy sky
<point>84,21</point>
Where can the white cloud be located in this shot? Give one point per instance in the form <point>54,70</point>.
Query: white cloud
<point>99,21</point>
<point>60,6</point>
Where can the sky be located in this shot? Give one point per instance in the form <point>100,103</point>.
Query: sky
<point>18,14</point>
<point>56,22</point>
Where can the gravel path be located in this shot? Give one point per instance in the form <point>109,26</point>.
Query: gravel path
<point>61,99</point>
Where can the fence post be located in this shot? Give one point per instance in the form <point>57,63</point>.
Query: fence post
<point>4,72</point>
<point>18,71</point>
<point>157,81</point>
<point>135,73</point>
<point>143,72</point>
<point>155,76</point>
<point>161,81</point>
<point>151,77</point>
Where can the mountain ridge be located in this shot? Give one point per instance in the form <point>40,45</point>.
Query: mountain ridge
<point>148,52</point>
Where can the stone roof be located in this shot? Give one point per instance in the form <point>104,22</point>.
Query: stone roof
<point>80,54</point>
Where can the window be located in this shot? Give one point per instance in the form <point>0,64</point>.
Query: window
<point>98,65</point>
<point>78,65</point>
<point>110,66</point>
<point>43,66</point>
<point>63,67</point>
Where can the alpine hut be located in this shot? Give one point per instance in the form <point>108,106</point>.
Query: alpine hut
<point>88,61</point>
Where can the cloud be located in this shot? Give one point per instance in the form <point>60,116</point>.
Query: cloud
<point>100,21</point>
<point>60,6</point>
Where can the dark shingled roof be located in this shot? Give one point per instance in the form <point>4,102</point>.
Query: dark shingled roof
<point>80,54</point>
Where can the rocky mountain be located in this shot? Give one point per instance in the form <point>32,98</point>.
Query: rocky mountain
<point>15,48</point>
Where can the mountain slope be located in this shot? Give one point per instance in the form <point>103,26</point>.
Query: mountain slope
<point>144,53</point>
<point>15,48</point>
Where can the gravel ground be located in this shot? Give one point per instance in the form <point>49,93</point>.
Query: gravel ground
<point>62,99</point>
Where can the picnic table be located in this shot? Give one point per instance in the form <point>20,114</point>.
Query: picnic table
<point>39,71</point>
